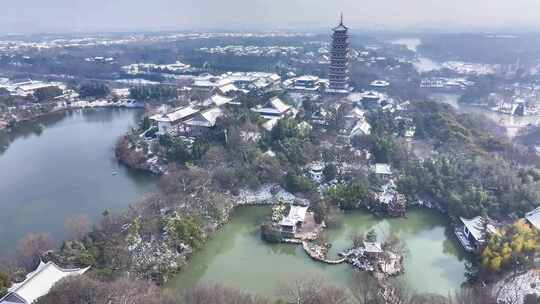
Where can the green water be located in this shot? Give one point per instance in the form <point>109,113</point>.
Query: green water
<point>237,257</point>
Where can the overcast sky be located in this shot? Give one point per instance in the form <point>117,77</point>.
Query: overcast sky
<point>96,15</point>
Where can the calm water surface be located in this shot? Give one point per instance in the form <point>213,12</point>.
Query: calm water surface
<point>64,165</point>
<point>513,124</point>
<point>237,256</point>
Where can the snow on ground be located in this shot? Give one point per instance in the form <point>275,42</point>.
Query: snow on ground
<point>514,289</point>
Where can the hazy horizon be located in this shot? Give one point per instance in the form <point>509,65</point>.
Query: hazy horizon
<point>385,15</point>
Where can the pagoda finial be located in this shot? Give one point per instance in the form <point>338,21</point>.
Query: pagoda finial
<point>341,20</point>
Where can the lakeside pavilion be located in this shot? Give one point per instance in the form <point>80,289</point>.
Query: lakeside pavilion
<point>38,283</point>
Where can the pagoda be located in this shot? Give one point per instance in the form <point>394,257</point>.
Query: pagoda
<point>338,74</point>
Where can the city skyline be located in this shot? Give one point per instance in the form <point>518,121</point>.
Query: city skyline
<point>124,15</point>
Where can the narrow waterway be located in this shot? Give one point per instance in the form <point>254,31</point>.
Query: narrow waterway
<point>421,63</point>
<point>513,124</point>
<point>237,257</point>
<point>63,165</point>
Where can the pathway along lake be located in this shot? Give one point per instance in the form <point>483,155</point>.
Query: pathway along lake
<point>237,256</point>
<point>62,165</point>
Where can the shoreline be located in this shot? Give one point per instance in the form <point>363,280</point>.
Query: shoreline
<point>91,105</point>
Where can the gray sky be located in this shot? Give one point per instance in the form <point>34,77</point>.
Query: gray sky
<point>89,15</point>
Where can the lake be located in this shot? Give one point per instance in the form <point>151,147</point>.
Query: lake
<point>63,165</point>
<point>237,257</point>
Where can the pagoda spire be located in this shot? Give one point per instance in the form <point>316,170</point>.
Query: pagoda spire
<point>341,19</point>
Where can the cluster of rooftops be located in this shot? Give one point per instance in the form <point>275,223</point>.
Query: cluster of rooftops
<point>205,115</point>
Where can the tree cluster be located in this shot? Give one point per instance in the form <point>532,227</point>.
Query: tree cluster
<point>156,93</point>
<point>93,90</point>
<point>513,249</point>
<point>465,186</point>
<point>47,93</point>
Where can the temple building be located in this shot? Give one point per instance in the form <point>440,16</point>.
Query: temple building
<point>339,61</point>
<point>38,283</point>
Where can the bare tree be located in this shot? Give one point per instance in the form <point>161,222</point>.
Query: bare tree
<point>313,291</point>
<point>357,239</point>
<point>127,290</point>
<point>75,289</point>
<point>78,226</point>
<point>82,289</point>
<point>217,294</point>
<point>365,289</point>
<point>31,247</point>
<point>429,299</point>
<point>474,295</point>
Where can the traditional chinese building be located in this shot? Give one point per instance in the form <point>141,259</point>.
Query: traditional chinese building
<point>38,283</point>
<point>339,61</point>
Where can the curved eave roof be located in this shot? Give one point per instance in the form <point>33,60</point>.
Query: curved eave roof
<point>340,27</point>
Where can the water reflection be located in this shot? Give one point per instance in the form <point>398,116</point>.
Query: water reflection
<point>253,265</point>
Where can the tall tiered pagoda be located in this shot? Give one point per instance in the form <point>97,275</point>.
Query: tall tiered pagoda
<point>338,74</point>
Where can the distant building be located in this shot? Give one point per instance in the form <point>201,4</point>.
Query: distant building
<point>372,100</point>
<point>316,172</point>
<point>295,219</point>
<point>305,84</point>
<point>383,169</point>
<point>273,108</point>
<point>202,121</point>
<point>38,283</point>
<point>380,83</point>
<point>217,100</point>
<point>229,88</point>
<point>339,61</point>
<point>172,121</point>
<point>373,249</point>
<point>362,127</point>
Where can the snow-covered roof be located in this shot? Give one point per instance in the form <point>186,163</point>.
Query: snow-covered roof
<point>206,118</point>
<point>372,95</point>
<point>373,247</point>
<point>176,115</point>
<point>534,218</point>
<point>383,169</point>
<point>475,225</point>
<point>341,27</point>
<point>307,78</point>
<point>220,100</point>
<point>355,113</point>
<point>362,127</point>
<point>36,85</point>
<point>273,106</point>
<point>297,214</point>
<point>228,88</point>
<point>380,83</point>
<point>274,77</point>
<point>38,283</point>
<point>279,105</point>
